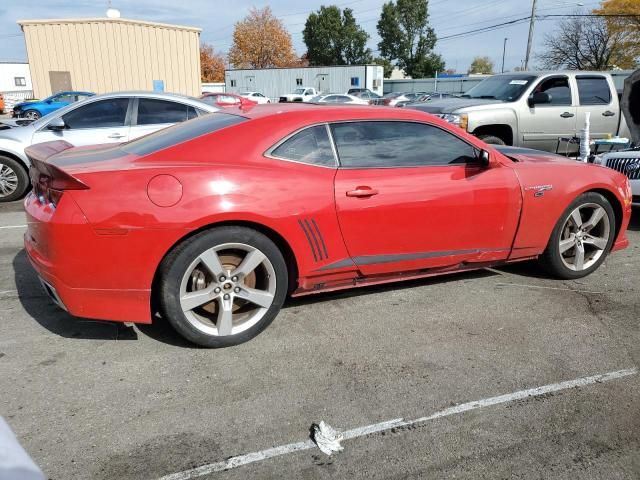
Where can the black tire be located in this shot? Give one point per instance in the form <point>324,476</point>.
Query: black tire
<point>22,176</point>
<point>492,140</point>
<point>177,263</point>
<point>551,259</point>
<point>31,114</point>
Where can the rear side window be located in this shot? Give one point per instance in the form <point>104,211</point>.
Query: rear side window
<point>311,145</point>
<point>593,91</point>
<point>152,112</point>
<point>181,132</point>
<point>398,144</point>
<point>101,114</point>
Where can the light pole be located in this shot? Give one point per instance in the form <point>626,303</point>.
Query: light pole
<point>504,49</point>
<point>532,22</point>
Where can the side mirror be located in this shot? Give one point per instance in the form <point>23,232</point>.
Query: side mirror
<point>49,101</point>
<point>539,98</point>
<point>483,159</point>
<point>57,124</point>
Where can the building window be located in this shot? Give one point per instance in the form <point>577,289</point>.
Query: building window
<point>355,81</point>
<point>20,81</point>
<point>233,83</point>
<point>299,82</point>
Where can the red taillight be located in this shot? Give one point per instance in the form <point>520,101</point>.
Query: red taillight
<point>387,101</point>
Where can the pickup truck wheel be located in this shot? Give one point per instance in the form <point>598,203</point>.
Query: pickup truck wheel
<point>491,139</point>
<point>14,179</point>
<point>581,239</point>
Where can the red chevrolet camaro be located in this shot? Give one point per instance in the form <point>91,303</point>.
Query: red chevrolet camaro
<point>218,219</point>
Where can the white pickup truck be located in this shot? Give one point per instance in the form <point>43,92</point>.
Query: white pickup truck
<point>534,109</point>
<point>302,94</point>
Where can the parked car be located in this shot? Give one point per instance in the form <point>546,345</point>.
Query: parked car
<point>110,118</point>
<point>392,98</point>
<point>300,95</point>
<point>218,231</point>
<point>422,97</point>
<point>256,97</point>
<point>368,95</point>
<point>2,103</point>
<point>226,100</point>
<point>339,98</point>
<point>534,109</point>
<point>33,110</point>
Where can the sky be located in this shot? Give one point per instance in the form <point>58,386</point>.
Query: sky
<point>217,18</point>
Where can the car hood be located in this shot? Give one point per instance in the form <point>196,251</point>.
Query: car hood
<point>24,104</point>
<point>448,105</point>
<point>13,131</point>
<point>529,155</point>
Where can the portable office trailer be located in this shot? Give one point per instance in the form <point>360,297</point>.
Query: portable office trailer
<point>111,54</point>
<point>273,82</point>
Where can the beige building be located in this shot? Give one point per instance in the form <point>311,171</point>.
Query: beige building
<point>112,54</point>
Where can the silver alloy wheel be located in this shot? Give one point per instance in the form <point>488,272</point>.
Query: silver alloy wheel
<point>8,180</point>
<point>584,237</point>
<point>227,289</point>
<point>32,115</point>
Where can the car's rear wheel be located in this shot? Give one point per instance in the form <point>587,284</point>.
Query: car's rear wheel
<point>14,179</point>
<point>223,286</point>
<point>32,114</point>
<point>582,237</point>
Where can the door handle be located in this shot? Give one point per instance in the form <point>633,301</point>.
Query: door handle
<point>608,113</point>
<point>566,115</point>
<point>116,135</point>
<point>362,192</point>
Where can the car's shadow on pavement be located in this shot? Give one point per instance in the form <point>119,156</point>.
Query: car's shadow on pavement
<point>634,224</point>
<point>42,309</point>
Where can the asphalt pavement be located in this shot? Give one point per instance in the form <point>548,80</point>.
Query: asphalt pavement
<point>454,361</point>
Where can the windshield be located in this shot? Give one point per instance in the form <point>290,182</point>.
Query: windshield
<point>507,88</point>
<point>299,90</point>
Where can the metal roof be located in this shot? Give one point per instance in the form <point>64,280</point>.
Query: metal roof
<point>57,21</point>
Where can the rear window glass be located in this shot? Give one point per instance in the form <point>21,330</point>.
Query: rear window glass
<point>181,133</point>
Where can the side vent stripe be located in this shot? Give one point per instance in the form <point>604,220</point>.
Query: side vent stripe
<point>324,247</point>
<point>315,257</point>
<point>315,240</point>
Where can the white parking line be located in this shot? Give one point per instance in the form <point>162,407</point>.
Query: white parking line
<point>235,462</point>
<point>13,226</point>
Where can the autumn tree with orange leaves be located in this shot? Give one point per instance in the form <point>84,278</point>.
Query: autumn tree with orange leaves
<point>261,41</point>
<point>211,64</point>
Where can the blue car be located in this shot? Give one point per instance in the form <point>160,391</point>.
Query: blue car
<point>40,108</point>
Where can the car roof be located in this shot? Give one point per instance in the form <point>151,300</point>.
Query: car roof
<point>311,113</point>
<point>76,92</point>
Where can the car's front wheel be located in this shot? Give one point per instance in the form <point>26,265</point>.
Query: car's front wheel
<point>223,286</point>
<point>14,179</point>
<point>582,237</point>
<point>32,114</point>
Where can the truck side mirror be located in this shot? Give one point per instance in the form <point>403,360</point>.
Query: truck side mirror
<point>539,98</point>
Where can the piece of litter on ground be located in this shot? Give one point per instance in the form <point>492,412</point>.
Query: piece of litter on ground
<point>326,438</point>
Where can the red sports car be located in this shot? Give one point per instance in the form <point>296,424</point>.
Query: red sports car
<point>226,100</point>
<point>220,218</point>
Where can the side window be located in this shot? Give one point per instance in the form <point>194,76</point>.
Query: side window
<point>68,98</point>
<point>593,91</point>
<point>100,114</point>
<point>398,144</point>
<point>558,88</point>
<point>311,145</point>
<point>152,112</point>
<point>299,82</point>
<point>233,83</point>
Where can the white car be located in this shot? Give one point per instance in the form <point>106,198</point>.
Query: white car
<point>256,97</point>
<point>342,98</point>
<point>110,118</point>
<point>304,94</point>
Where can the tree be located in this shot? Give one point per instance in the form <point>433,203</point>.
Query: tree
<point>586,43</point>
<point>407,39</point>
<point>261,41</point>
<point>211,64</point>
<point>627,25</point>
<point>333,37</point>
<point>481,65</point>
<point>386,65</point>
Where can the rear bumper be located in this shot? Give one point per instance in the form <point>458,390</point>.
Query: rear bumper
<point>56,245</point>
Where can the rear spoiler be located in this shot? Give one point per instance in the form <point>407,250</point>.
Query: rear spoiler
<point>54,177</point>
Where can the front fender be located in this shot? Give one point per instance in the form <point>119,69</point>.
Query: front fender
<point>498,116</point>
<point>14,149</point>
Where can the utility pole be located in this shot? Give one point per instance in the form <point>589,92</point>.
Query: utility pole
<point>532,22</point>
<point>504,49</point>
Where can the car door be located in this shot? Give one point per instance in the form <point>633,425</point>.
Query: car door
<point>101,121</point>
<point>152,114</point>
<point>411,196</point>
<point>595,97</point>
<point>542,124</point>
